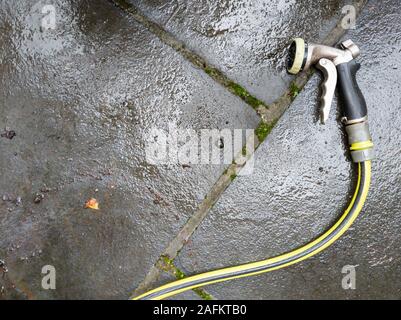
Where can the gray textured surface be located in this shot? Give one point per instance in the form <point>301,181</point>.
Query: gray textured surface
<point>245,39</point>
<point>80,99</point>
<point>302,181</point>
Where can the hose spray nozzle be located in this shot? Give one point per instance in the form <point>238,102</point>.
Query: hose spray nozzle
<point>339,68</point>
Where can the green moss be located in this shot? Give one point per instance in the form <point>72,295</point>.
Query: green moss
<point>245,95</point>
<point>233,87</point>
<point>179,274</point>
<point>233,176</point>
<point>203,294</point>
<point>263,130</point>
<point>211,71</point>
<point>294,90</point>
<point>168,266</point>
<point>167,263</point>
<point>244,150</point>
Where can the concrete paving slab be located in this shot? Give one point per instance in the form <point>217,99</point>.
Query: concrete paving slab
<point>80,99</point>
<point>246,40</point>
<point>301,184</point>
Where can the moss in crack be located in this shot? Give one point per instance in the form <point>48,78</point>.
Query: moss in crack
<point>245,95</point>
<point>179,274</point>
<point>263,129</point>
<point>294,90</point>
<point>233,176</point>
<point>243,151</point>
<point>123,4</point>
<point>233,87</point>
<point>203,294</point>
<point>213,72</point>
<point>167,265</point>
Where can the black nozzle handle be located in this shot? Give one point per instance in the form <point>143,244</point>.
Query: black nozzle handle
<point>353,102</point>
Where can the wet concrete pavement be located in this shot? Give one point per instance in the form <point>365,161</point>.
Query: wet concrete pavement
<point>246,40</point>
<point>303,180</point>
<point>82,97</point>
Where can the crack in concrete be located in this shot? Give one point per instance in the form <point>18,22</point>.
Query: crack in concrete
<point>189,55</point>
<point>194,221</point>
<point>167,265</point>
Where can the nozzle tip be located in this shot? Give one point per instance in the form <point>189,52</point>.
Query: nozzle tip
<point>297,54</point>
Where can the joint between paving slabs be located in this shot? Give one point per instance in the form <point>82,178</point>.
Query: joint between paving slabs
<point>196,60</point>
<point>166,264</point>
<point>269,117</point>
<point>182,237</point>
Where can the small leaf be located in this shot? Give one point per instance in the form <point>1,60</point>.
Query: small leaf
<point>92,204</point>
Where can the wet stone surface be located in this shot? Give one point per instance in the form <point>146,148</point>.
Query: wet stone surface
<point>246,40</point>
<point>80,100</point>
<point>302,181</point>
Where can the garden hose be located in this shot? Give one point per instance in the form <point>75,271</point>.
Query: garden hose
<point>332,62</point>
<point>279,262</point>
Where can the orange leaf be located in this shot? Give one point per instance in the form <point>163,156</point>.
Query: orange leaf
<point>92,204</point>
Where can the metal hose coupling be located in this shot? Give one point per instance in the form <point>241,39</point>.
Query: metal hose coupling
<point>360,141</point>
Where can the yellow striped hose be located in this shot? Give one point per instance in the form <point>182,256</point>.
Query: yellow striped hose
<point>278,262</point>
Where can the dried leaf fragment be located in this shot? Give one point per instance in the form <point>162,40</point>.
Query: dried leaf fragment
<point>92,204</point>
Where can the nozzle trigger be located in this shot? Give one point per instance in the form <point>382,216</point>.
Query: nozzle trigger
<point>328,87</point>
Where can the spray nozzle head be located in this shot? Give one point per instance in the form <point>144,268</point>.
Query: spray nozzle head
<point>297,56</point>
<point>302,56</point>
